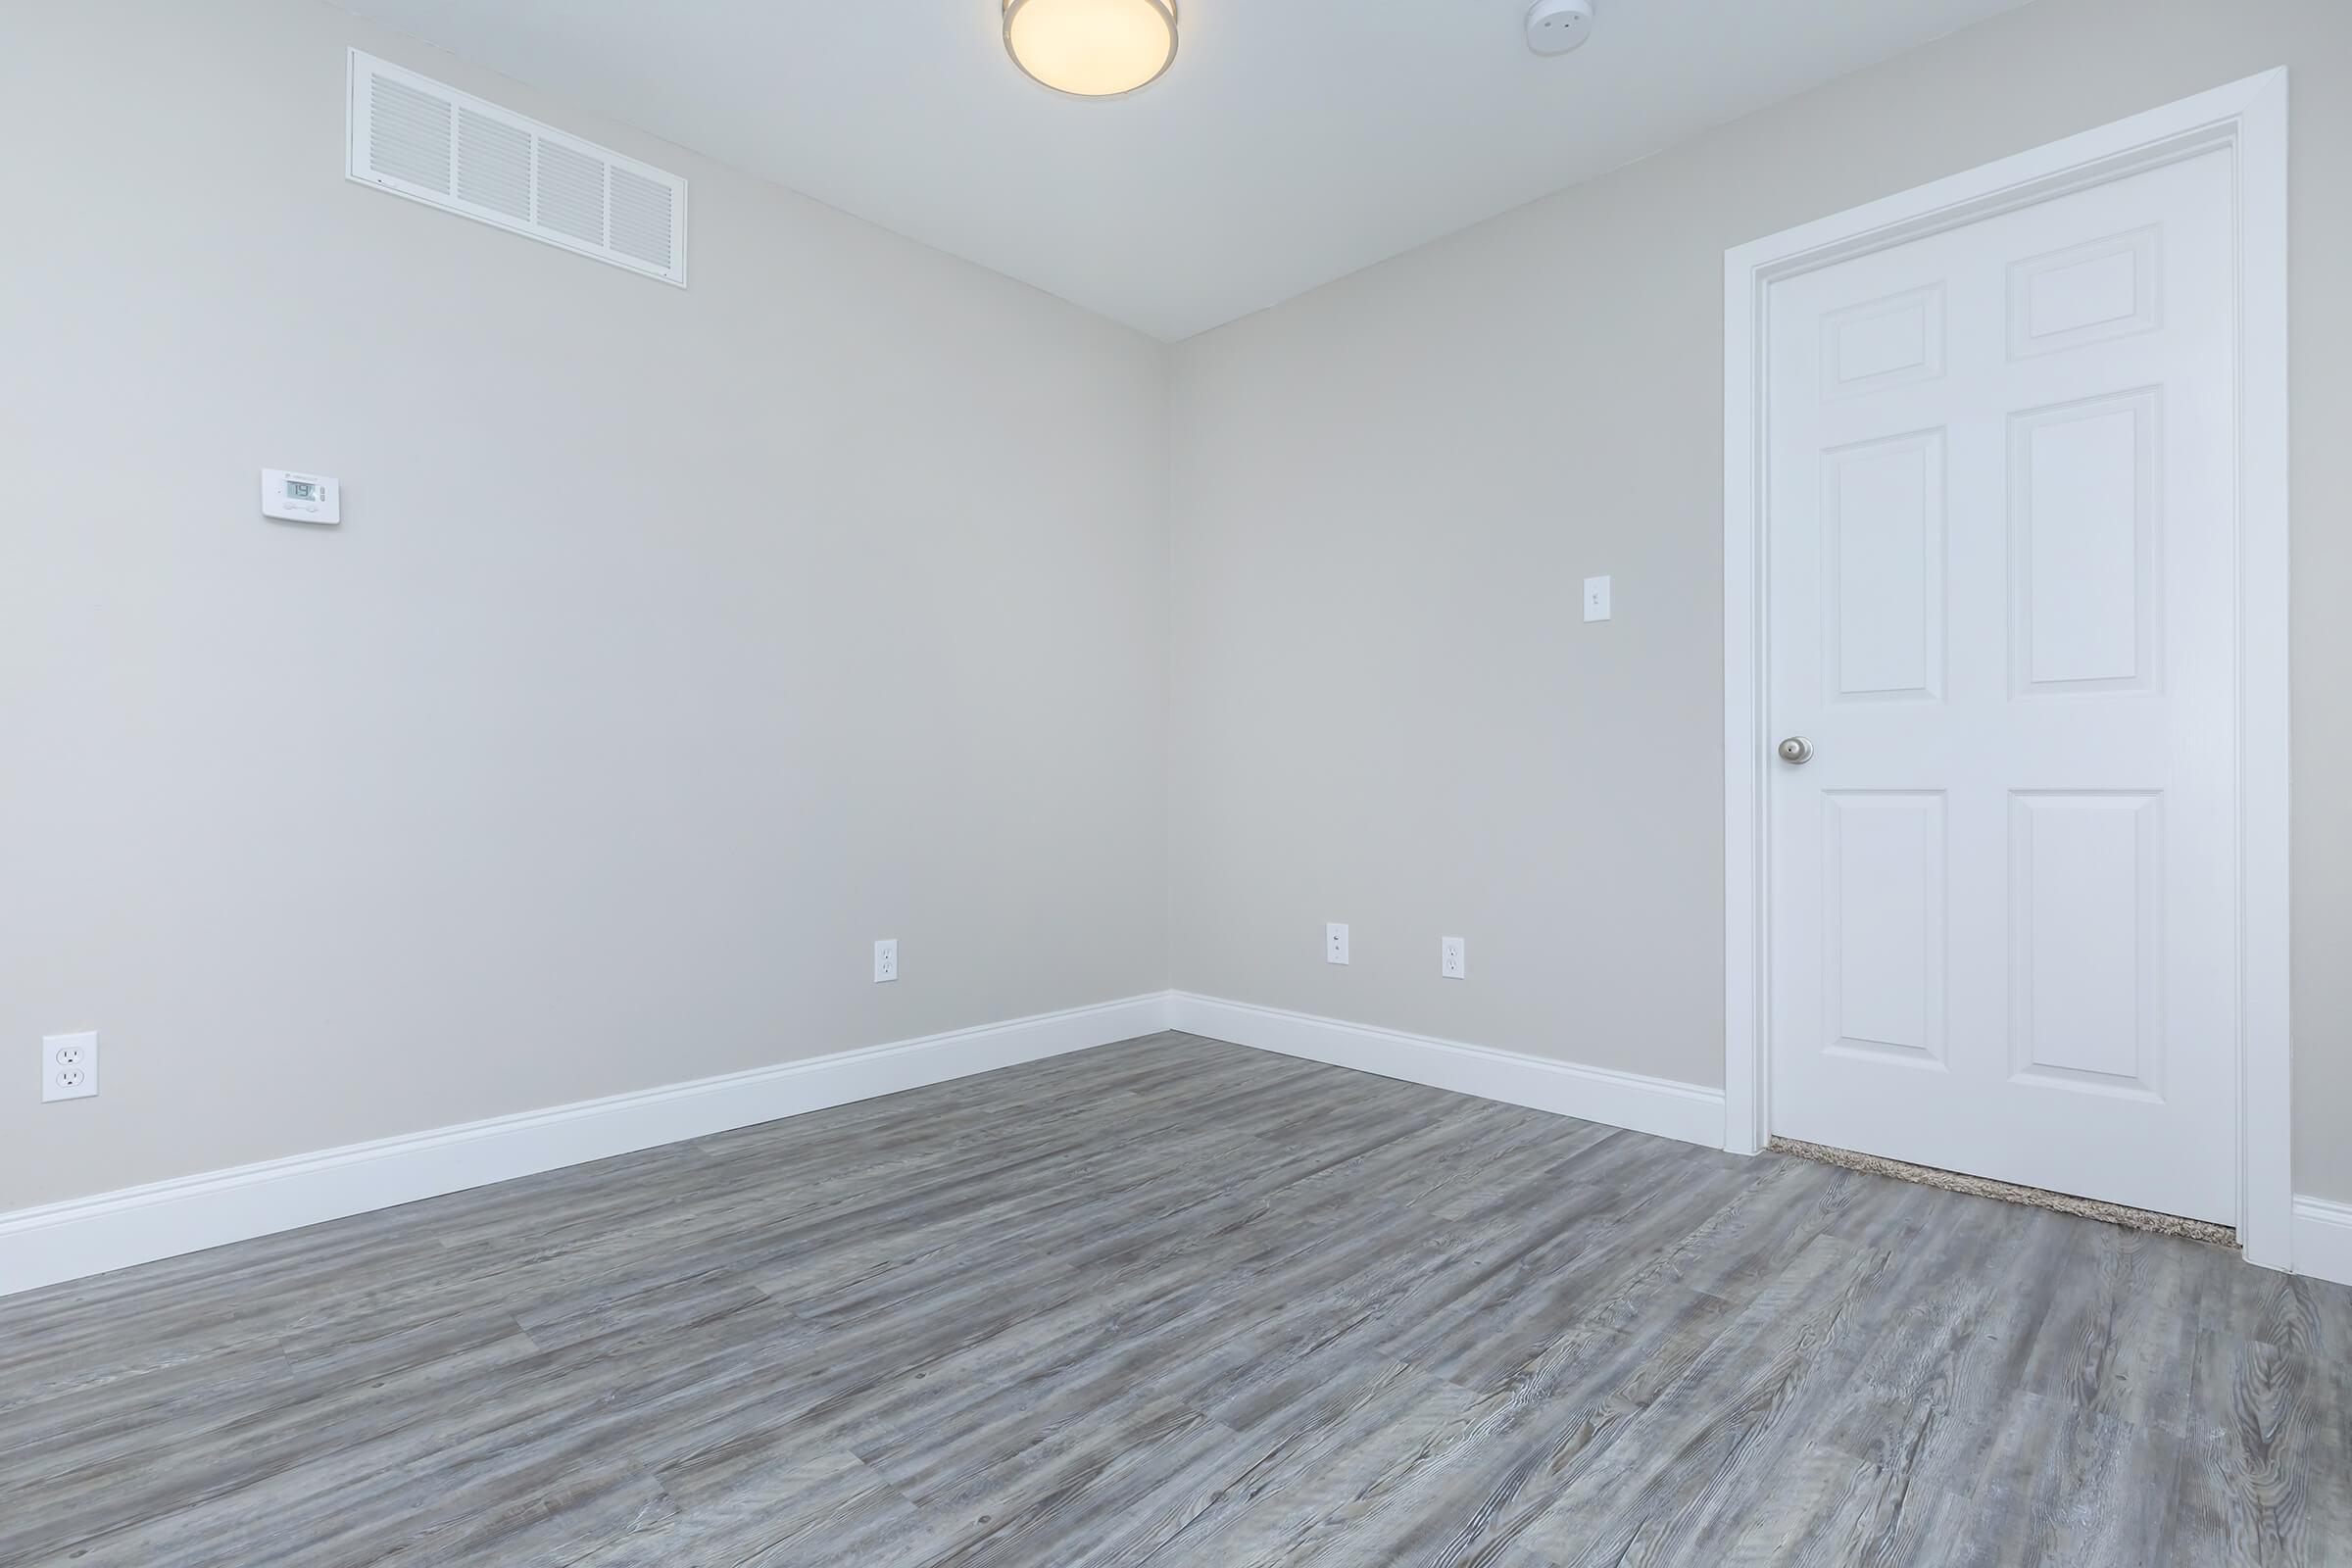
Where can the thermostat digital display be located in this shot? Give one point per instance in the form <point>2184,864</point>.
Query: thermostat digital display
<point>300,496</point>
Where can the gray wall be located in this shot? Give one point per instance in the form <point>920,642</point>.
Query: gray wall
<point>680,644</point>
<point>675,645</point>
<point>1386,709</point>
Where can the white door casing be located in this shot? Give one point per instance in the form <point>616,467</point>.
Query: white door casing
<point>2005,539</point>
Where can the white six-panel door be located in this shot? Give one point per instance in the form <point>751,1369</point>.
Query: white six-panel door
<point>2001,607</point>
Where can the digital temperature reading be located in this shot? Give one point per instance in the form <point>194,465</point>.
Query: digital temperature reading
<point>300,496</point>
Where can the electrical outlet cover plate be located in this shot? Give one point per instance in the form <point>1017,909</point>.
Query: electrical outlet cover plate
<point>1335,943</point>
<point>68,1067</point>
<point>1453,957</point>
<point>886,960</point>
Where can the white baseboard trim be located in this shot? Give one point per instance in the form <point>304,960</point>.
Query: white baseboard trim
<point>89,1236</point>
<point>2323,1239</point>
<point>1645,1105</point>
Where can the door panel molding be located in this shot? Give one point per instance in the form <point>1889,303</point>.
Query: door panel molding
<point>2250,119</point>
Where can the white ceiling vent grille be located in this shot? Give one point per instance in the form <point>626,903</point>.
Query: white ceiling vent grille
<point>415,138</point>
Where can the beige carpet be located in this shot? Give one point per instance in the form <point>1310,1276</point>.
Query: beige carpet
<point>2138,1219</point>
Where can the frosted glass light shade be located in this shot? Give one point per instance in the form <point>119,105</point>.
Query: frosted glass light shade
<point>1091,48</point>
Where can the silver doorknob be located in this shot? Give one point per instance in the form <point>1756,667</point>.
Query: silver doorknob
<point>1797,748</point>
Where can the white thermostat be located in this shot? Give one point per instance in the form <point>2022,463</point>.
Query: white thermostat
<point>300,496</point>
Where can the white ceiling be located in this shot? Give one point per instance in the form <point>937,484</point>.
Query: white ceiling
<point>1293,142</point>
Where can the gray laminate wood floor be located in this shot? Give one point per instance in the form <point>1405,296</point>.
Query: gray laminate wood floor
<point>1179,1302</point>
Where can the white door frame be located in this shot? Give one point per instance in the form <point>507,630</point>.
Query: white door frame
<point>2250,119</point>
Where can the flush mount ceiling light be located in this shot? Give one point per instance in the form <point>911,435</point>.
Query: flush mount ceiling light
<point>1091,48</point>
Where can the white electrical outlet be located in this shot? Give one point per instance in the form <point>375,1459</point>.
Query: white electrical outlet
<point>1453,957</point>
<point>886,960</point>
<point>68,1067</point>
<point>1597,598</point>
<point>1335,944</point>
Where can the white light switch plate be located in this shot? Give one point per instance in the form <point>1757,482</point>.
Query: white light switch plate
<point>68,1067</point>
<point>1597,598</point>
<point>1335,944</point>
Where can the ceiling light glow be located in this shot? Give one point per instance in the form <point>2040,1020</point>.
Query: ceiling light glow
<point>1091,48</point>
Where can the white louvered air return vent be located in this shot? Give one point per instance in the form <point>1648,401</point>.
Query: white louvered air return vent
<point>415,138</point>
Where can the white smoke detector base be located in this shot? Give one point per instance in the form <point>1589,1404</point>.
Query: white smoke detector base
<point>1556,26</point>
